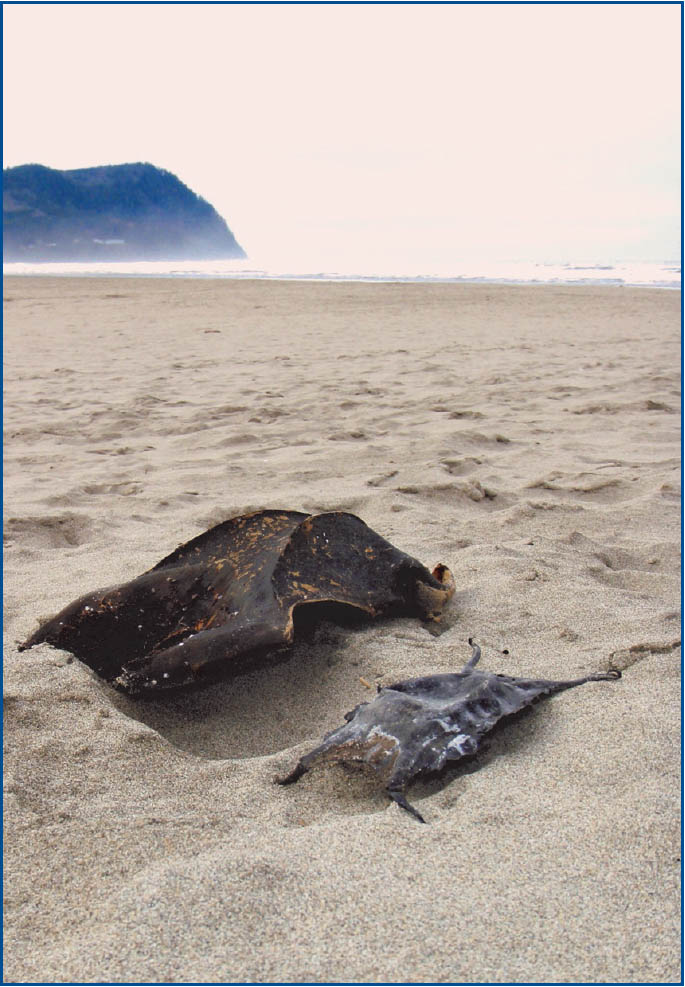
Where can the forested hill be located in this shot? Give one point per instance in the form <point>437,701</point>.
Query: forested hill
<point>114,212</point>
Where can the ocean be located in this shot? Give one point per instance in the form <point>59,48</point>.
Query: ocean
<point>633,273</point>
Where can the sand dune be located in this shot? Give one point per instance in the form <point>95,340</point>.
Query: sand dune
<point>527,437</point>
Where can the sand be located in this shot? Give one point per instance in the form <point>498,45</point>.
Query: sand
<point>526,436</point>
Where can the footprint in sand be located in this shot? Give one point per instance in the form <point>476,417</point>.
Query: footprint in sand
<point>464,490</point>
<point>266,416</point>
<point>380,481</point>
<point>614,566</point>
<point>617,407</point>
<point>58,531</point>
<point>238,439</point>
<point>351,436</point>
<point>480,439</point>
<point>456,414</point>
<point>625,658</point>
<point>584,485</point>
<point>125,489</point>
<point>459,467</point>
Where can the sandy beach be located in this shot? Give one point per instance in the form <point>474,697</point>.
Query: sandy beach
<point>527,437</point>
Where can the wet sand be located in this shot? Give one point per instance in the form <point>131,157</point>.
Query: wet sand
<point>527,437</point>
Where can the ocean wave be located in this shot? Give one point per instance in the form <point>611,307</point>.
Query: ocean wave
<point>634,274</point>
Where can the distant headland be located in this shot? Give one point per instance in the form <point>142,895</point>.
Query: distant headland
<point>123,212</point>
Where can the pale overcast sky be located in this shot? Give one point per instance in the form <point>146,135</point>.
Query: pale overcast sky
<point>391,132</point>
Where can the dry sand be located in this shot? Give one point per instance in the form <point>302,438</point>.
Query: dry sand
<point>527,437</point>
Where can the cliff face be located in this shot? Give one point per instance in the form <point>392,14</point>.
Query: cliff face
<point>115,212</point>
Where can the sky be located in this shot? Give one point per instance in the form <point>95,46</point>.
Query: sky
<point>400,136</point>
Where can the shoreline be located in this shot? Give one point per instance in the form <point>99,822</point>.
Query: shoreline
<point>351,280</point>
<point>660,275</point>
